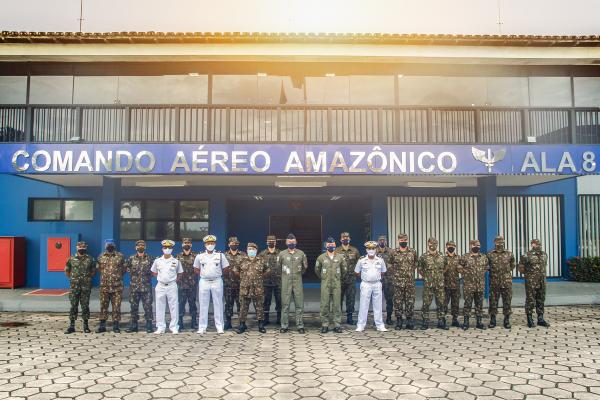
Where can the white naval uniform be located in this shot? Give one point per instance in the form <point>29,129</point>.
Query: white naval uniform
<point>211,284</point>
<point>166,291</point>
<point>370,287</point>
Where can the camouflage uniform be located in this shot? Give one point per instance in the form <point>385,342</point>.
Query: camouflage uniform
<point>330,272</point>
<point>388,287</point>
<point>431,268</point>
<point>231,283</point>
<point>81,269</point>
<point>187,288</point>
<point>140,286</point>
<point>348,291</point>
<point>534,262</point>
<point>473,269</point>
<point>272,281</point>
<point>112,269</point>
<point>251,272</point>
<point>401,272</point>
<point>452,282</point>
<point>502,264</point>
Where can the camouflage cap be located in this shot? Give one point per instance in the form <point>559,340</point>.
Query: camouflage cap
<point>82,244</point>
<point>382,237</point>
<point>536,241</point>
<point>345,234</point>
<point>271,238</point>
<point>402,236</point>
<point>140,242</point>
<point>474,242</point>
<point>371,244</point>
<point>253,245</point>
<point>499,238</point>
<point>186,240</point>
<point>432,240</point>
<point>330,239</point>
<point>233,239</point>
<point>451,243</point>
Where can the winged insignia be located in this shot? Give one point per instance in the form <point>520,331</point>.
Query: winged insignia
<point>488,158</point>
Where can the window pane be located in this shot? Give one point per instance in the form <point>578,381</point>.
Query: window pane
<point>159,230</point>
<point>507,91</point>
<point>160,209</point>
<point>131,230</point>
<point>550,91</point>
<point>95,90</point>
<point>235,89</point>
<point>79,210</point>
<point>46,209</point>
<point>328,90</point>
<point>441,90</point>
<point>13,89</point>
<point>194,230</point>
<point>371,89</point>
<point>51,90</point>
<point>176,89</point>
<point>193,209</point>
<point>131,209</point>
<point>587,92</point>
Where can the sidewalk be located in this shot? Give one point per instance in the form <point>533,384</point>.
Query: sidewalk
<point>560,293</point>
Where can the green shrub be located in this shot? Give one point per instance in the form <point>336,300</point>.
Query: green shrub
<point>584,269</point>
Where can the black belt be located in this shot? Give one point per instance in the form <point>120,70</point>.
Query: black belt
<point>166,284</point>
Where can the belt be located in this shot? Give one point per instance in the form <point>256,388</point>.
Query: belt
<point>210,279</point>
<point>372,281</point>
<point>166,284</point>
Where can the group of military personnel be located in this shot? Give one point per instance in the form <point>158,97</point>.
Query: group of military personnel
<point>252,277</point>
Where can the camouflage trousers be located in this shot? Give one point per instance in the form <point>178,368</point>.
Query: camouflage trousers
<point>270,292</point>
<point>477,297</point>
<point>349,294</point>
<point>495,294</point>
<point>404,301</point>
<point>80,296</point>
<point>232,295</point>
<point>187,296</point>
<point>134,301</point>
<point>388,293</point>
<point>452,297</point>
<point>535,295</point>
<point>258,301</point>
<point>107,298</point>
<point>428,294</point>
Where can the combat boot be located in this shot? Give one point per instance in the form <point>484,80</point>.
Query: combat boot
<point>399,324</point>
<point>227,323</point>
<point>71,327</point>
<point>116,328</point>
<point>86,327</point>
<point>466,323</point>
<point>410,324</point>
<point>278,321</point>
<point>133,327</point>
<point>337,329</point>
<point>424,325</point>
<point>101,327</point>
<point>261,327</point>
<point>542,322</point>
<point>388,320</point>
<point>266,318</point>
<point>180,322</point>
<point>492,323</point>
<point>324,329</point>
<point>506,322</point>
<point>241,329</point>
<point>149,328</point>
<point>455,322</point>
<point>442,324</point>
<point>479,323</point>
<point>194,324</point>
<point>530,323</point>
<point>349,319</point>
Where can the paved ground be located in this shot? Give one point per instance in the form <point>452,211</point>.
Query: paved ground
<point>38,361</point>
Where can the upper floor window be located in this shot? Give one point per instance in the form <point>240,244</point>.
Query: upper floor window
<point>61,210</point>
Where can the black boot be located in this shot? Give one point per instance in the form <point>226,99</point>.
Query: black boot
<point>133,327</point>
<point>530,323</point>
<point>337,329</point>
<point>399,323</point>
<point>442,324</point>
<point>86,326</point>
<point>479,323</point>
<point>101,327</point>
<point>278,320</point>
<point>425,325</point>
<point>455,322</point>
<point>542,322</point>
<point>261,327</point>
<point>466,323</point>
<point>324,329</point>
<point>180,322</point>
<point>149,328</point>
<point>492,323</point>
<point>241,329</point>
<point>410,324</point>
<point>349,319</point>
<point>388,320</point>
<point>266,318</point>
<point>71,327</point>
<point>506,322</point>
<point>227,323</point>
<point>194,324</point>
<point>116,328</point>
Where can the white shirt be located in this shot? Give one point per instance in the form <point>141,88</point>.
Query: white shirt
<point>167,269</point>
<point>211,265</point>
<point>370,269</point>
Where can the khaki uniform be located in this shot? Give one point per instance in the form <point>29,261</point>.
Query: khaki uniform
<point>330,271</point>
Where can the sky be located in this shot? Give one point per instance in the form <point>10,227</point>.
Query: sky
<point>534,17</point>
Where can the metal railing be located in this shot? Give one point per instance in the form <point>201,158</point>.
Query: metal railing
<point>297,124</point>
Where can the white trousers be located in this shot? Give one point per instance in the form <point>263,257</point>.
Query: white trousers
<point>164,294</point>
<point>206,289</point>
<point>368,291</point>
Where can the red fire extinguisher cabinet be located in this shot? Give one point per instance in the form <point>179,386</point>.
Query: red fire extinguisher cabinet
<point>12,261</point>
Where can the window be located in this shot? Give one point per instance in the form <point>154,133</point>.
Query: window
<point>51,90</point>
<point>587,92</point>
<point>61,210</point>
<point>164,219</point>
<point>13,89</point>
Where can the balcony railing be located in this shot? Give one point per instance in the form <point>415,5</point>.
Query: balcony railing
<point>297,124</point>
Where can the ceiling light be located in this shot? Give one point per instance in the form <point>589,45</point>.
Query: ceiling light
<point>333,198</point>
<point>193,74</point>
<point>300,184</point>
<point>431,184</point>
<point>262,74</point>
<point>330,75</point>
<point>161,183</point>
<point>258,197</point>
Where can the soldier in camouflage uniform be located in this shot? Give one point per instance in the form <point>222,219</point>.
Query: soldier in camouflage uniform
<point>452,282</point>
<point>533,264</point>
<point>111,265</point>
<point>187,286</point>
<point>431,267</point>
<point>384,252</point>
<point>351,255</point>
<point>140,286</point>
<point>80,269</point>
<point>502,264</point>
<point>251,272</point>
<point>473,267</point>
<point>330,268</point>
<point>272,281</point>
<point>293,264</point>
<point>231,282</point>
<point>401,272</point>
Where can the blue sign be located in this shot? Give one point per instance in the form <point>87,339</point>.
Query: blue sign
<point>291,159</point>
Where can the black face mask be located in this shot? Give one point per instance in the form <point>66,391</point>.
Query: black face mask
<point>403,244</point>
<point>233,248</point>
<point>271,245</point>
<point>475,249</point>
<point>382,244</point>
<point>187,247</point>
<point>81,251</point>
<point>110,248</point>
<point>450,249</point>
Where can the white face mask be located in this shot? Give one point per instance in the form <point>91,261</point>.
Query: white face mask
<point>210,247</point>
<point>251,252</point>
<point>167,251</point>
<point>371,252</point>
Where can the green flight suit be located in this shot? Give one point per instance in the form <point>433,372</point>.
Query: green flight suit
<point>292,266</point>
<point>330,270</point>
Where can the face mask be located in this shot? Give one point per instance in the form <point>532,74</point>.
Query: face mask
<point>186,247</point>
<point>81,251</point>
<point>382,244</point>
<point>371,252</point>
<point>251,252</point>
<point>403,244</point>
<point>345,241</point>
<point>500,246</point>
<point>167,251</point>
<point>210,247</point>
<point>291,246</point>
<point>271,245</point>
<point>331,249</point>
<point>140,249</point>
<point>451,249</point>
<point>110,248</point>
<point>475,249</point>
<point>233,247</point>
<point>432,247</point>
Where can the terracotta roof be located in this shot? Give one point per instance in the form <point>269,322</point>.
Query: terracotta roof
<point>332,38</point>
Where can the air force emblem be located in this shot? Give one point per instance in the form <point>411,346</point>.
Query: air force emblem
<point>488,158</point>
